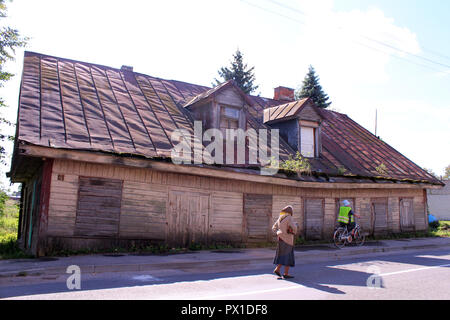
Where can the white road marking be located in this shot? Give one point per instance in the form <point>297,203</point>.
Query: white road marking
<point>413,270</point>
<point>249,292</point>
<point>146,277</point>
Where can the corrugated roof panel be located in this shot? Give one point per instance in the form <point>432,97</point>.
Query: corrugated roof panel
<point>71,104</point>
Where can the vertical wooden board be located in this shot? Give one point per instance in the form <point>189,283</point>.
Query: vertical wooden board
<point>226,216</point>
<point>329,222</point>
<point>363,206</point>
<point>379,213</point>
<point>98,208</point>
<point>314,216</point>
<point>419,213</point>
<point>407,214</point>
<point>188,217</point>
<point>143,211</point>
<point>257,217</point>
<point>394,214</point>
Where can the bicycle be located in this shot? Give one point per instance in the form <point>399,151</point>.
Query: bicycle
<point>341,236</point>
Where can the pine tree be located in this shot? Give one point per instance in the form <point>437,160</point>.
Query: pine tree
<point>239,72</point>
<point>312,89</point>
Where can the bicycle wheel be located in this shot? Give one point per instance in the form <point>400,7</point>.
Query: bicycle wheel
<point>359,237</point>
<point>338,239</point>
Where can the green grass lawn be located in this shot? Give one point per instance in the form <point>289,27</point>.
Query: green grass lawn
<point>442,229</point>
<point>9,220</point>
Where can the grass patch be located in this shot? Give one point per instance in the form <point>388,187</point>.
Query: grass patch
<point>435,229</point>
<point>9,220</point>
<point>155,249</point>
<point>440,229</point>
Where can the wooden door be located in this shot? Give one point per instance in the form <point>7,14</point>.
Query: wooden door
<point>406,215</point>
<point>257,217</point>
<point>379,216</point>
<point>188,218</point>
<point>98,208</point>
<point>314,212</point>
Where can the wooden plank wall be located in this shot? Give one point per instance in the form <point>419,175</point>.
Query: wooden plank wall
<point>99,206</point>
<point>314,218</point>
<point>226,216</point>
<point>257,217</point>
<point>143,213</point>
<point>145,196</point>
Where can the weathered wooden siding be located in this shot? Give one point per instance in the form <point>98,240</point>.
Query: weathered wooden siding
<point>145,198</point>
<point>406,214</point>
<point>257,217</point>
<point>230,97</point>
<point>379,208</point>
<point>308,113</point>
<point>143,213</point>
<point>314,218</point>
<point>187,217</point>
<point>98,207</point>
<point>226,216</point>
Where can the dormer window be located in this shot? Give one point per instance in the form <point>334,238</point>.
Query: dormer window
<point>309,136</point>
<point>307,142</point>
<point>229,118</point>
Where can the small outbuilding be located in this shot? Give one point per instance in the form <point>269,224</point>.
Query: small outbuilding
<point>439,202</point>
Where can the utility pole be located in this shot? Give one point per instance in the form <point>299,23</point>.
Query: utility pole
<point>376,120</point>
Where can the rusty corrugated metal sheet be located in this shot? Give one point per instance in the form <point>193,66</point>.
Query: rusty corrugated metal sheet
<point>76,105</point>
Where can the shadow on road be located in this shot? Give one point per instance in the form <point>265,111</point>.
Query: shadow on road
<point>323,276</point>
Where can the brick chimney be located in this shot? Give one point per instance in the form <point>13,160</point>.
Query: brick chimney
<point>284,94</point>
<point>127,68</point>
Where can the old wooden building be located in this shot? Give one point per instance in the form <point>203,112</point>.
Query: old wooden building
<point>93,154</point>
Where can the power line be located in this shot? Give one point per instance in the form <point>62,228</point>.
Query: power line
<point>367,38</point>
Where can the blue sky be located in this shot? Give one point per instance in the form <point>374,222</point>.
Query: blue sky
<point>191,40</point>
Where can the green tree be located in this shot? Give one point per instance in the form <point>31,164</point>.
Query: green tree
<point>311,88</point>
<point>239,72</point>
<point>446,172</point>
<point>10,40</point>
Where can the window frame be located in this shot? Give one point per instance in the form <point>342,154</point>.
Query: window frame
<point>226,117</point>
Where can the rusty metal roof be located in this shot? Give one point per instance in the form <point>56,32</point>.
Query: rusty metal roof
<point>77,105</point>
<point>284,111</point>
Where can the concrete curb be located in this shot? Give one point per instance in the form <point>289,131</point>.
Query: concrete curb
<point>301,258</point>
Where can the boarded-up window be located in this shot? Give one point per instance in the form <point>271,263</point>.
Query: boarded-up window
<point>187,217</point>
<point>307,143</point>
<point>314,212</point>
<point>258,217</point>
<point>379,215</point>
<point>98,209</point>
<point>406,215</point>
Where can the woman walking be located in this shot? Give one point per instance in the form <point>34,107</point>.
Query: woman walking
<point>285,229</point>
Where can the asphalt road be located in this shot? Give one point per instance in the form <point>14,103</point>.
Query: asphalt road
<point>423,274</point>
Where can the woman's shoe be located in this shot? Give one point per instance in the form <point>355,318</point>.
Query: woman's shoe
<point>286,276</point>
<point>277,273</point>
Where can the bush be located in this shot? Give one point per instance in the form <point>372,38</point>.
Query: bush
<point>434,225</point>
<point>3,198</point>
